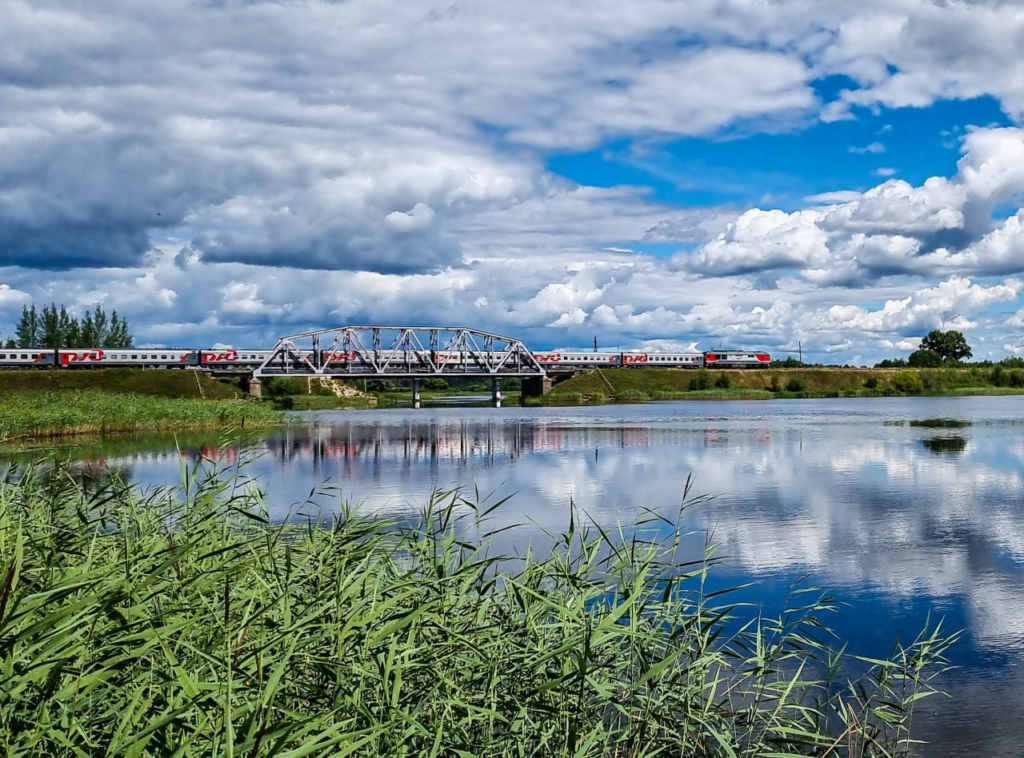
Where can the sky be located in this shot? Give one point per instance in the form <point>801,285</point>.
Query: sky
<point>828,176</point>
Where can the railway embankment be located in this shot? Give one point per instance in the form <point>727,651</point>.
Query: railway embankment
<point>631,384</point>
<point>39,403</point>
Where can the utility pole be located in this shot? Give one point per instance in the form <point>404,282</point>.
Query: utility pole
<point>595,343</point>
<point>800,347</point>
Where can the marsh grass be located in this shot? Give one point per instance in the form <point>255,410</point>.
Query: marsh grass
<point>71,412</point>
<point>184,623</point>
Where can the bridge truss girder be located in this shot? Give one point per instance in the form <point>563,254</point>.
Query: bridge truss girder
<point>399,352</point>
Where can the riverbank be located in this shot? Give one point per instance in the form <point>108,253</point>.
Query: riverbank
<point>166,383</point>
<point>627,384</point>
<point>47,404</point>
<point>159,622</point>
<point>79,412</point>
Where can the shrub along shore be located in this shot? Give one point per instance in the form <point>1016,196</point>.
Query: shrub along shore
<point>627,384</point>
<point>184,623</point>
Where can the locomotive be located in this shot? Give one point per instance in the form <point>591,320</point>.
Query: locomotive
<point>231,359</point>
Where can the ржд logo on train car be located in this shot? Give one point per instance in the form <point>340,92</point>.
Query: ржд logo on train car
<point>86,356</point>
<point>628,358</point>
<point>338,356</point>
<point>547,357</point>
<point>228,356</point>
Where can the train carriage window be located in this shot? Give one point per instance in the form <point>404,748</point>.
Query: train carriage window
<point>4,356</point>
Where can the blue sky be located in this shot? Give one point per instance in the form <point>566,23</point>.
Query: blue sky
<point>756,174</point>
<point>780,170</point>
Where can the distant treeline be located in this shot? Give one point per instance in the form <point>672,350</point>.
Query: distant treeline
<point>54,327</point>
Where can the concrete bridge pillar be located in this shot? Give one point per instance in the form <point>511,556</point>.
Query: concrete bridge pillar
<point>417,388</point>
<point>496,393</point>
<point>536,386</point>
<point>255,387</point>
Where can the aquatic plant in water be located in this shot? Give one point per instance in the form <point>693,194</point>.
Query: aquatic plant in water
<point>182,622</point>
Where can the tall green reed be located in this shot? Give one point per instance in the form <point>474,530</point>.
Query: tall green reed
<point>184,623</point>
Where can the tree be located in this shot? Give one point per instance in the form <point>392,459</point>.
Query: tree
<point>55,328</point>
<point>924,359</point>
<point>951,345</point>
<point>29,330</point>
<point>52,332</point>
<point>118,336</point>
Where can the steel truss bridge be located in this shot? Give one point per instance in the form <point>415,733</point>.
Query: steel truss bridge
<point>402,352</point>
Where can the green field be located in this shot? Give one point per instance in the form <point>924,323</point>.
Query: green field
<point>188,625</point>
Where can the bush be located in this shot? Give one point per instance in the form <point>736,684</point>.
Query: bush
<point>1017,378</point>
<point>908,382</point>
<point>435,383</point>
<point>871,382</point>
<point>701,381</point>
<point>773,386</point>
<point>795,385</point>
<point>997,377</point>
<point>924,359</point>
<point>188,623</point>
<point>722,382</point>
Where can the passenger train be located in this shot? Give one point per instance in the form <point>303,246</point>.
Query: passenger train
<point>357,360</point>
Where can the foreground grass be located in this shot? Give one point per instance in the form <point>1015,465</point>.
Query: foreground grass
<point>55,414</point>
<point>165,624</point>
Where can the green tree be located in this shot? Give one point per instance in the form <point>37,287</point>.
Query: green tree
<point>924,359</point>
<point>118,336</point>
<point>51,331</point>
<point>54,327</point>
<point>29,329</point>
<point>951,345</point>
<point>95,328</point>
<point>789,362</point>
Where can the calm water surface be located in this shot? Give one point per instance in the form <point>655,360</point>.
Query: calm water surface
<point>900,506</point>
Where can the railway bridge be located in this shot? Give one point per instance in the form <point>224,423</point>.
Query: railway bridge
<point>404,352</point>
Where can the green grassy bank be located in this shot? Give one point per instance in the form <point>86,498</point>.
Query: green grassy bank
<point>124,381</point>
<point>619,384</point>
<point>38,404</point>
<point>187,625</point>
<point>57,414</point>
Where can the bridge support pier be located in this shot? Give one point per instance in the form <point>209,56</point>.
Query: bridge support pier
<point>417,388</point>
<point>255,387</point>
<point>496,393</point>
<point>536,386</point>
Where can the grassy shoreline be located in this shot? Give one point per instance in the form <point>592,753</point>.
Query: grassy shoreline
<point>641,385</point>
<point>41,404</point>
<point>91,412</point>
<point>188,625</point>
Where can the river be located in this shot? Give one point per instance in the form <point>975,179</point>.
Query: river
<point>901,506</point>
